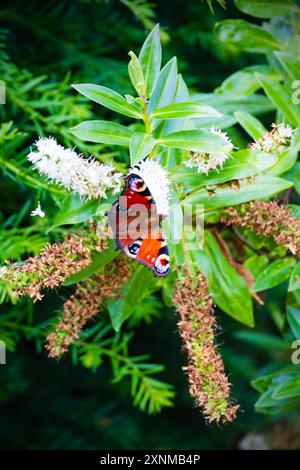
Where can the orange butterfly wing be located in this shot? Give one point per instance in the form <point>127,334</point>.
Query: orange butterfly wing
<point>139,236</point>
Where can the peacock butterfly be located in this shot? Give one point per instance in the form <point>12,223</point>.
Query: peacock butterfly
<point>136,226</point>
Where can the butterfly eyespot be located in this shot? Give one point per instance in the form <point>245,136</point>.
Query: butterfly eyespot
<point>136,184</point>
<point>162,264</point>
<point>133,248</point>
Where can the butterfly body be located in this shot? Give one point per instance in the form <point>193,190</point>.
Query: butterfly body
<point>136,227</point>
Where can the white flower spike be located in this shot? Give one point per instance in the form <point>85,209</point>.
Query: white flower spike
<point>38,211</point>
<point>88,177</point>
<point>156,179</point>
<point>210,161</point>
<point>274,141</point>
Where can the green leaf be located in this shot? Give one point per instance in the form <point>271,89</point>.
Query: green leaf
<point>242,164</point>
<point>227,120</point>
<point>246,36</point>
<point>244,82</point>
<point>149,394</point>
<point>294,283</point>
<point>196,140</point>
<point>140,285</point>
<point>250,124</point>
<point>261,340</point>
<point>274,274</point>
<point>293,316</point>
<point>181,95</point>
<point>109,99</point>
<point>286,161</point>
<point>150,59</point>
<point>289,388</point>
<point>253,104</point>
<point>290,63</point>
<point>294,175</point>
<point>191,109</point>
<point>136,74</point>
<point>256,263</point>
<point>270,372</point>
<point>165,87</point>
<point>75,210</point>
<point>229,289</point>
<point>282,99</point>
<point>103,132</point>
<point>140,146</point>
<point>266,8</point>
<point>268,404</point>
<point>262,187</point>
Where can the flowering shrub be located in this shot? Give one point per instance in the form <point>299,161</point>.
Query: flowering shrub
<point>207,151</point>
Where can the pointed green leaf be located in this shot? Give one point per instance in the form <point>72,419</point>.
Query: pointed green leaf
<point>181,95</point>
<point>136,74</point>
<point>165,87</point>
<point>75,210</point>
<point>242,164</point>
<point>251,124</point>
<point>288,389</point>
<point>290,63</point>
<point>294,175</point>
<point>244,82</point>
<point>261,340</point>
<point>281,96</point>
<point>197,140</point>
<point>140,146</point>
<point>274,274</point>
<point>256,263</point>
<point>229,289</point>
<point>140,285</point>
<point>189,109</point>
<point>246,36</point>
<point>110,99</point>
<point>262,187</point>
<point>150,59</point>
<point>294,283</point>
<point>103,132</point>
<point>253,104</point>
<point>266,8</point>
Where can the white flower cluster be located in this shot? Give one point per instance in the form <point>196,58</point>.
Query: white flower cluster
<point>156,180</point>
<point>204,162</point>
<point>275,140</point>
<point>64,166</point>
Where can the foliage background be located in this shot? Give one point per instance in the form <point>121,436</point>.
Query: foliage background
<point>46,405</point>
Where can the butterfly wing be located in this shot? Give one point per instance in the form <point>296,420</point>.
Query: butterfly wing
<point>139,236</point>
